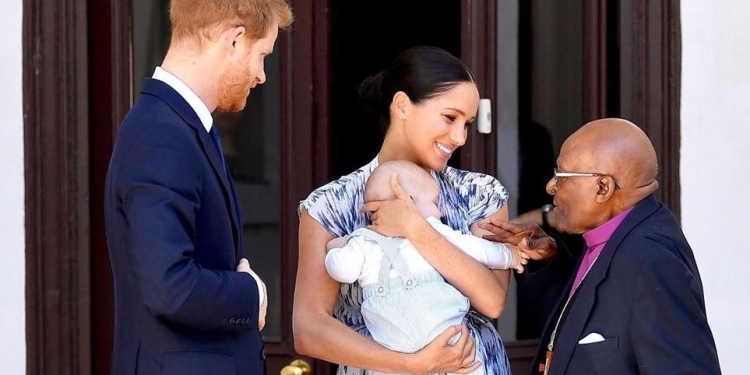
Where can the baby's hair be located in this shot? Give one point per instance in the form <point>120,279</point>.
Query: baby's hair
<point>378,186</point>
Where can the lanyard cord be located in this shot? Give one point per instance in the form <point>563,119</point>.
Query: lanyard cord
<point>565,306</point>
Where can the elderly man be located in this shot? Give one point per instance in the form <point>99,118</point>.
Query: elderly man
<point>634,303</point>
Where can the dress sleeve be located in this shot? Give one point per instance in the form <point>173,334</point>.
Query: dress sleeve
<point>336,206</point>
<point>483,194</point>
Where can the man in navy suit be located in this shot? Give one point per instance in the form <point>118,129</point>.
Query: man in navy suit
<point>634,302</point>
<point>186,301</point>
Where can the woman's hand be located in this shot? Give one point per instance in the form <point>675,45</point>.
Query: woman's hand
<point>396,217</point>
<point>440,357</point>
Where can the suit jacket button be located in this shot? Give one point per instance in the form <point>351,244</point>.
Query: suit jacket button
<point>232,321</point>
<point>263,354</point>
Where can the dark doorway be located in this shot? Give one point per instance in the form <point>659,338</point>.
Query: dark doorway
<point>366,36</point>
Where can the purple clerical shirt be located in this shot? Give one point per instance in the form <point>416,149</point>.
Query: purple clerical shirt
<point>595,241</point>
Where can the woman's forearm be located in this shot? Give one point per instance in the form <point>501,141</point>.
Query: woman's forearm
<point>486,289</point>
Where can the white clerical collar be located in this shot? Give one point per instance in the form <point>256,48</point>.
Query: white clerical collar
<point>193,100</point>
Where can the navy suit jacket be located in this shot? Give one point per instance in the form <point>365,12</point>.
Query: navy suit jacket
<point>174,236</point>
<point>644,296</point>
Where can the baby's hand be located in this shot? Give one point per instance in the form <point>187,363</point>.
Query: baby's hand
<point>520,259</point>
<point>337,242</point>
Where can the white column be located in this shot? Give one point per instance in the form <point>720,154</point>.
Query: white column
<point>715,165</point>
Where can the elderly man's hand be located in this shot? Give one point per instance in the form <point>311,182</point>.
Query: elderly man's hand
<point>531,239</point>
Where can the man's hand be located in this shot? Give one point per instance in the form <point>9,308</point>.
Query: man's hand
<point>394,217</point>
<point>529,238</point>
<point>244,266</point>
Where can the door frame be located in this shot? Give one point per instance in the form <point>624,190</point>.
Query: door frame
<point>632,69</point>
<point>55,107</point>
<point>479,53</point>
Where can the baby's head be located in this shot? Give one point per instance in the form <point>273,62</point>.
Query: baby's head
<point>415,181</point>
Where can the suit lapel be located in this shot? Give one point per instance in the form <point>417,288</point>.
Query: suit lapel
<point>178,104</point>
<point>580,311</point>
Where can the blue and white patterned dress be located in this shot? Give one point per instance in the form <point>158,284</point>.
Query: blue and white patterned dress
<point>465,197</point>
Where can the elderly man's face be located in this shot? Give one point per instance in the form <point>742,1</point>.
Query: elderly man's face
<point>574,197</point>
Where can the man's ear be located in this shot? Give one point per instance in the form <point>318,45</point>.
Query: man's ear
<point>232,36</point>
<point>606,187</point>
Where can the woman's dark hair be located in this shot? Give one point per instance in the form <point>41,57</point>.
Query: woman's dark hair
<point>420,72</point>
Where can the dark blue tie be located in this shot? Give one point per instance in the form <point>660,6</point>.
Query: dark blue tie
<point>214,132</point>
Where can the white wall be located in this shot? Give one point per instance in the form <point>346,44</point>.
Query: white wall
<point>714,165</point>
<point>12,300</point>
